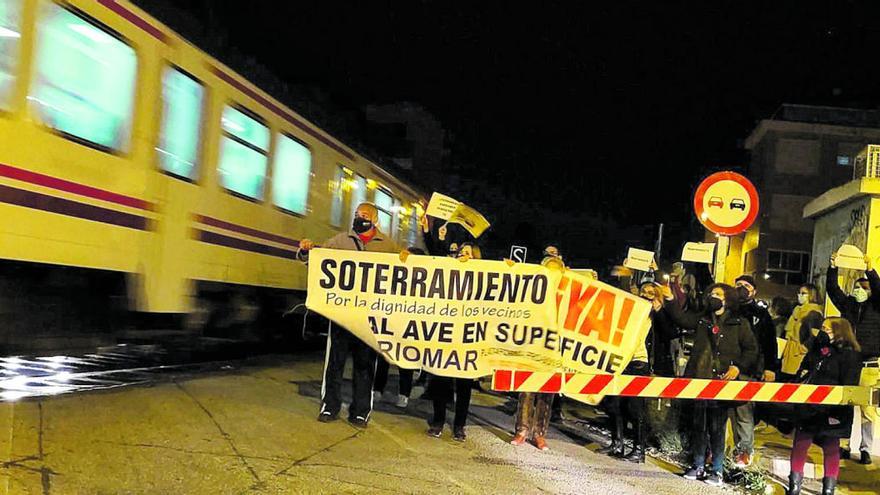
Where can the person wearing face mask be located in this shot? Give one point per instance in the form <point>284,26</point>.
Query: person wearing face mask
<point>765,369</point>
<point>724,347</point>
<point>363,236</point>
<point>795,350</point>
<point>833,359</point>
<point>862,310</point>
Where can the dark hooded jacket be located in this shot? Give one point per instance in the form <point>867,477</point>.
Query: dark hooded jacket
<point>715,351</point>
<point>864,317</point>
<point>828,364</point>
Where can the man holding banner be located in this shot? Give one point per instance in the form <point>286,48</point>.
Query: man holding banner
<point>364,236</point>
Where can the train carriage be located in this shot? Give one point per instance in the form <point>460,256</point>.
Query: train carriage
<point>128,154</point>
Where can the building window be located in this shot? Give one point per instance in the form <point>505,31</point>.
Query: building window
<point>85,79</point>
<point>182,102</point>
<point>337,190</point>
<point>385,204</point>
<point>10,34</point>
<point>290,175</point>
<point>788,267</point>
<point>843,160</point>
<point>244,154</point>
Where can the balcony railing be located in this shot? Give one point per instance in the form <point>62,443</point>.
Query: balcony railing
<point>868,163</point>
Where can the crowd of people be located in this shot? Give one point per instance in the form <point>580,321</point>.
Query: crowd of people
<point>723,332</point>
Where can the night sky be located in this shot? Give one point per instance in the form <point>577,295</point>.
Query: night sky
<point>622,106</point>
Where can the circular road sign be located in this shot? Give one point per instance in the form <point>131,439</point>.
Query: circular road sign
<point>726,203</point>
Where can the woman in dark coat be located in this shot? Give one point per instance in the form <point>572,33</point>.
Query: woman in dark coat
<point>833,359</point>
<point>724,347</point>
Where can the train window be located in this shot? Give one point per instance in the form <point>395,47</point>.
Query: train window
<point>182,100</point>
<point>85,79</point>
<point>385,203</point>
<point>10,20</point>
<point>395,220</point>
<point>338,192</point>
<point>412,237</point>
<point>358,193</point>
<point>243,153</point>
<point>290,175</point>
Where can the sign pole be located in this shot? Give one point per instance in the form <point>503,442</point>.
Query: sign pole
<point>721,258</point>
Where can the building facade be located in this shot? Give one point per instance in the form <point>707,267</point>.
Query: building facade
<point>796,155</point>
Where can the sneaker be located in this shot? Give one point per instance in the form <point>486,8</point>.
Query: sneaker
<point>435,431</point>
<point>377,396</point>
<point>696,473</point>
<point>541,444</point>
<point>713,479</point>
<point>358,422</point>
<point>519,438</point>
<point>327,416</point>
<point>402,401</point>
<point>458,434</point>
<point>743,460</point>
<point>844,453</point>
<point>866,457</point>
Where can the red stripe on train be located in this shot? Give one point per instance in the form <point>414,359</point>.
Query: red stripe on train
<point>73,187</point>
<point>135,19</point>
<point>241,229</point>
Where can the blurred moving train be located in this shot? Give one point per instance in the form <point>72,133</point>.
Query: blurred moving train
<point>140,176</point>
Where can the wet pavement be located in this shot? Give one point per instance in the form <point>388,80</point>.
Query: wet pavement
<point>24,377</point>
<point>252,429</point>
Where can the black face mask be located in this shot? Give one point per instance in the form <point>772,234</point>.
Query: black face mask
<point>714,304</point>
<point>743,294</point>
<point>823,340</point>
<point>361,225</point>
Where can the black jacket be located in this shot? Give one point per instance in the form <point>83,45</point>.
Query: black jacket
<point>659,345</point>
<point>864,317</point>
<point>765,334</point>
<point>828,365</point>
<point>714,353</point>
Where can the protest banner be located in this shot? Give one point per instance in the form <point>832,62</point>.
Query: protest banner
<point>466,319</point>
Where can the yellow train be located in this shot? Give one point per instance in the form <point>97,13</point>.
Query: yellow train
<point>126,150</point>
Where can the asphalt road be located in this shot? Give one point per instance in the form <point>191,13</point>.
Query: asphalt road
<point>253,430</point>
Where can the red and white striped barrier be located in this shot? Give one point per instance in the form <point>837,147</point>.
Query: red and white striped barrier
<point>681,388</point>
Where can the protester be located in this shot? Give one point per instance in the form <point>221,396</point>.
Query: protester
<point>363,236</point>
<point>780,310</point>
<point>441,387</point>
<point>632,409</point>
<point>724,347</point>
<point>833,359</point>
<point>862,310</point>
<point>405,376</point>
<point>743,417</point>
<point>686,282</point>
<point>533,409</point>
<point>795,349</point>
<point>663,331</point>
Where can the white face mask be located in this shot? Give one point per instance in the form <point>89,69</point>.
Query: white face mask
<point>860,294</point>
<point>803,299</point>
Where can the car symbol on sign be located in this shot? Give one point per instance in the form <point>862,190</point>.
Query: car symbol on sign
<point>737,204</point>
<point>716,201</point>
